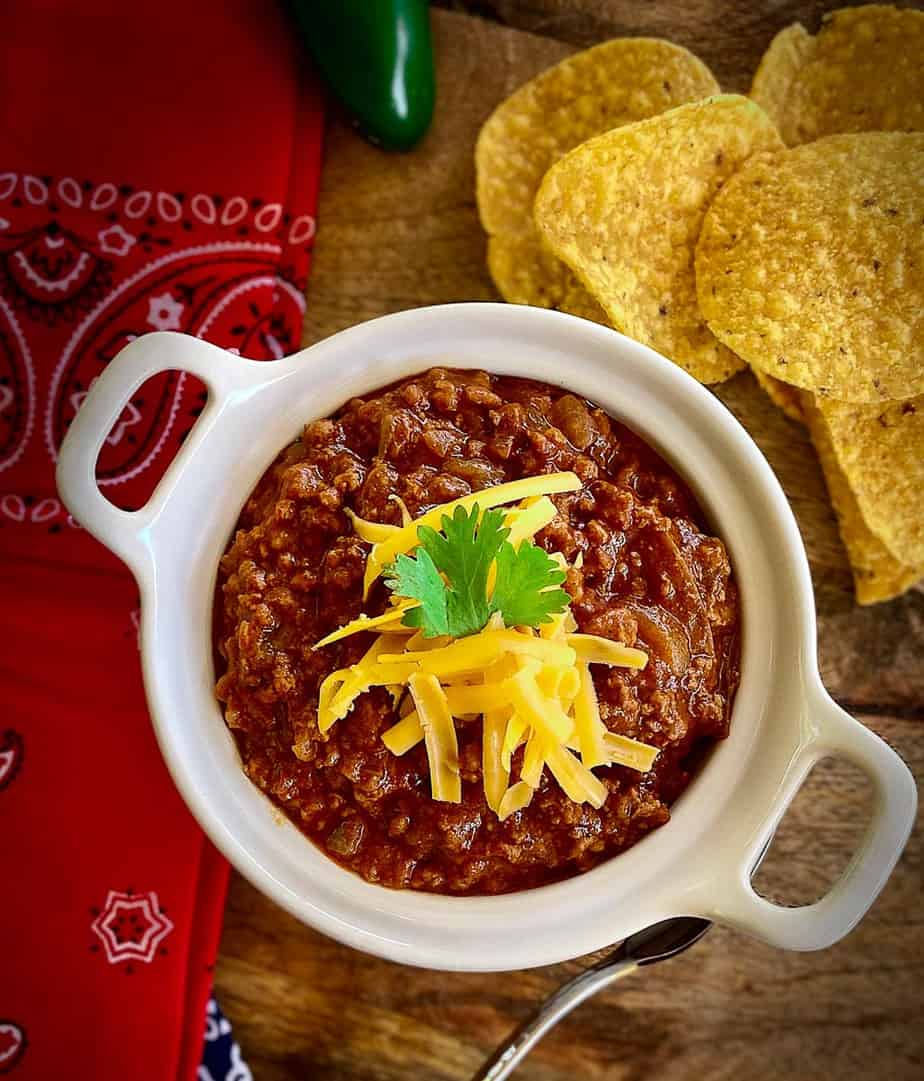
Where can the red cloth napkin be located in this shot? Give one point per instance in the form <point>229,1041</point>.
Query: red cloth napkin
<point>158,170</point>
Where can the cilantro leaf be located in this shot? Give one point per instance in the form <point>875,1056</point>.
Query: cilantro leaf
<point>464,552</point>
<point>523,592</point>
<point>449,571</point>
<point>420,580</point>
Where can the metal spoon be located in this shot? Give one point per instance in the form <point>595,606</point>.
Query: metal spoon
<point>656,943</point>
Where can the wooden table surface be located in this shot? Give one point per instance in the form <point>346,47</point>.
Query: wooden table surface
<point>401,231</point>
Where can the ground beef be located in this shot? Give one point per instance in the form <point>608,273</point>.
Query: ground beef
<point>649,575</point>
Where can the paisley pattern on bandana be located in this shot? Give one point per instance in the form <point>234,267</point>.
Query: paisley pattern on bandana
<point>87,267</point>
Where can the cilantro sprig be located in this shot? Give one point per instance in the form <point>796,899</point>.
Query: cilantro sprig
<point>449,574</point>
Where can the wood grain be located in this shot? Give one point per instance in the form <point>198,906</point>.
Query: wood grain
<point>399,231</point>
<point>728,35</point>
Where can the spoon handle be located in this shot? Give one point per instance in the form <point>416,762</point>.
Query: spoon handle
<point>512,1052</point>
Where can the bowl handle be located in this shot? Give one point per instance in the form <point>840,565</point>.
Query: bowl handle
<point>124,531</point>
<point>816,926</point>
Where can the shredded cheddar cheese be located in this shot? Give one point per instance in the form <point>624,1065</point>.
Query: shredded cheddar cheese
<point>514,736</point>
<point>384,551</point>
<point>439,736</point>
<point>529,686</point>
<point>525,524</point>
<point>515,799</point>
<point>388,620</point>
<point>404,735</point>
<point>575,778</point>
<point>624,751</point>
<point>495,772</point>
<point>371,532</point>
<point>590,729</point>
<point>594,649</point>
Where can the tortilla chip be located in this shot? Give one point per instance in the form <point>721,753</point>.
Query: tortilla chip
<point>624,212</point>
<point>880,449</point>
<point>863,72</point>
<point>525,273</point>
<point>782,395</point>
<point>810,265</point>
<point>877,574</point>
<point>789,52</point>
<point>612,84</point>
<point>615,83</point>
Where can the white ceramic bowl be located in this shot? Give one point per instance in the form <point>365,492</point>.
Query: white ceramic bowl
<point>701,862</point>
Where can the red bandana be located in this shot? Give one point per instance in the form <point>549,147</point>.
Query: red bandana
<point>158,170</point>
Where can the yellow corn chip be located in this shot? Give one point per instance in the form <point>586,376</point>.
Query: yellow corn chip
<point>615,83</point>
<point>810,266</point>
<point>877,574</point>
<point>612,84</point>
<point>782,395</point>
<point>788,53</point>
<point>863,72</point>
<point>624,211</point>
<point>880,449</point>
<point>525,273</point>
